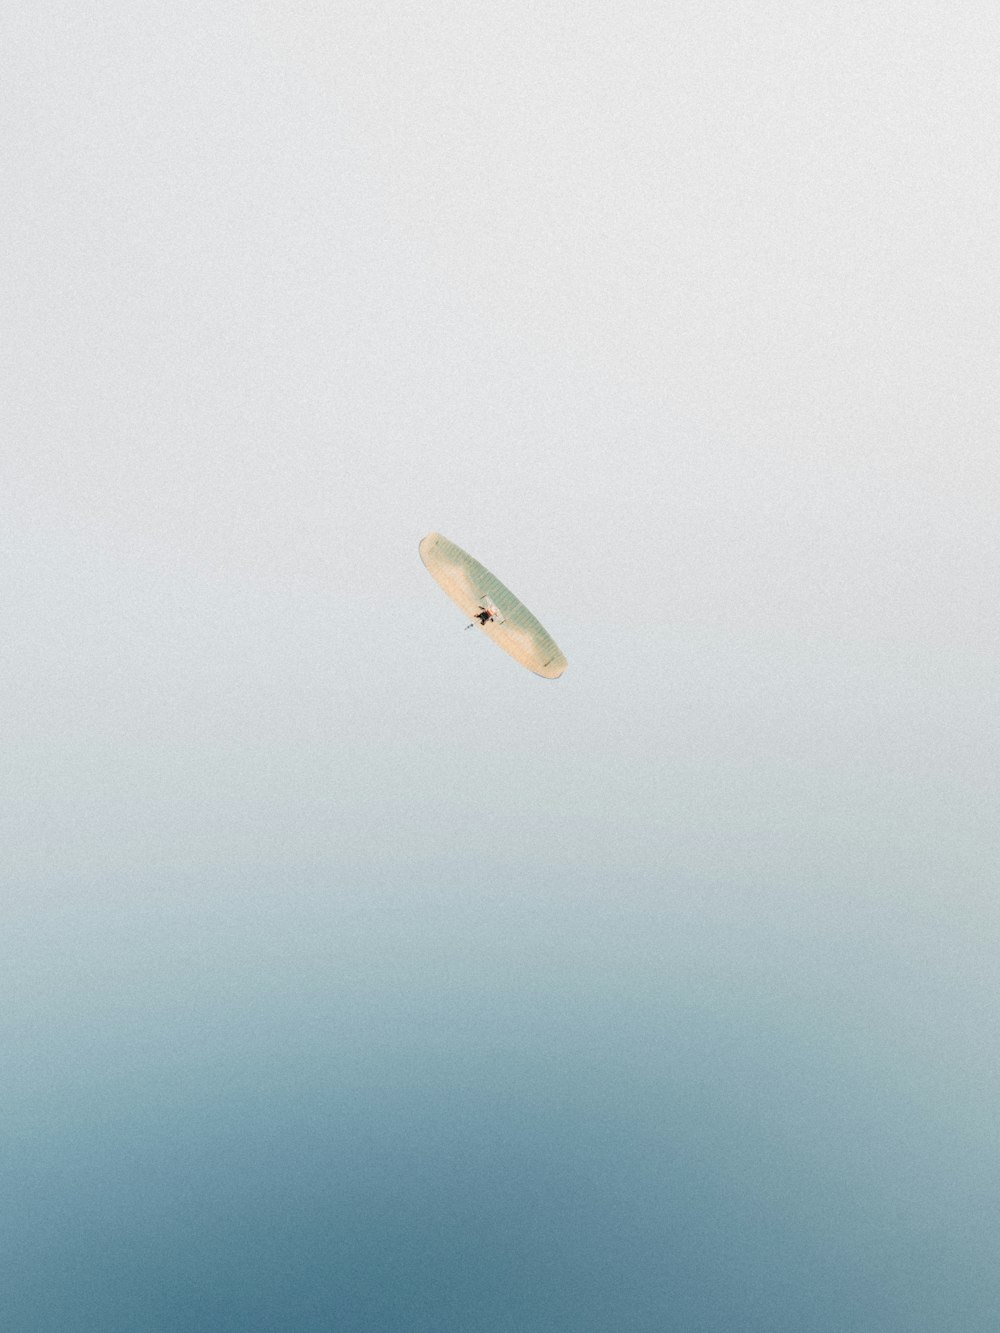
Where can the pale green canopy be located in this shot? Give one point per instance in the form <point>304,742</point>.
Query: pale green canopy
<point>475,590</point>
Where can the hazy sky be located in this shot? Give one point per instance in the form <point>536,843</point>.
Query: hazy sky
<point>352,978</point>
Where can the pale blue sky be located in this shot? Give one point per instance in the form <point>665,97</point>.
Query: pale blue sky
<point>350,976</point>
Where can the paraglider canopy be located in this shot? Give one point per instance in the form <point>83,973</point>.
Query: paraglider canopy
<point>507,621</point>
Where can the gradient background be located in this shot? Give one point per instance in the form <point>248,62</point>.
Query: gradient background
<point>351,978</point>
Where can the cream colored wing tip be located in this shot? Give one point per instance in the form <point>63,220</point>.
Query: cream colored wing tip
<point>550,675</point>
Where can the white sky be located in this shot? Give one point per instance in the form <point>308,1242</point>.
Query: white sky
<point>682,319</point>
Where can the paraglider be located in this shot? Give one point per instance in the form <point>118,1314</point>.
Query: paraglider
<point>492,607</point>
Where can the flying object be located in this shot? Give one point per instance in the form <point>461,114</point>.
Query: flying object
<point>492,607</point>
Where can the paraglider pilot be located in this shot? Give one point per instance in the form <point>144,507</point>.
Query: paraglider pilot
<point>484,614</point>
